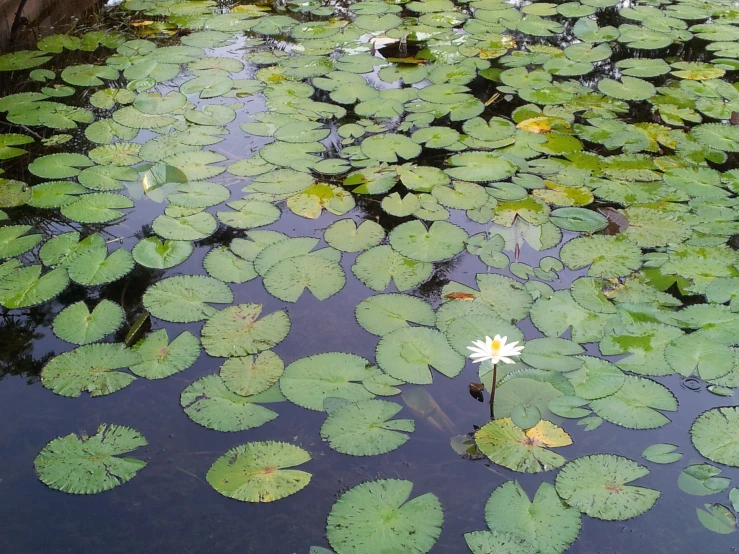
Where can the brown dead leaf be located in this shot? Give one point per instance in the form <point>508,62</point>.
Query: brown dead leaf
<point>460,296</point>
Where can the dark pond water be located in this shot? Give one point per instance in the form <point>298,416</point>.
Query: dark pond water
<point>169,507</point>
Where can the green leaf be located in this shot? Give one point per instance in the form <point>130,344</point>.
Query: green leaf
<point>553,354</point>
<point>160,359</point>
<point>480,167</point>
<point>90,368</point>
<point>384,313</point>
<point>76,324</point>
<point>191,227</point>
<point>410,353</point>
<point>714,435</point>
<point>346,236</point>
<point>184,298</point>
<point>98,207</point>
<point>89,465</point>
<point>380,265</point>
<point>308,381</point>
<point>607,256</point>
<point>661,453</point>
<point>693,354</point>
<point>59,166</point>
<point>389,147</point>
<point>238,331</point>
<point>546,523</point>
<point>378,516</point>
<point>578,219</point>
<point>522,450</point>
<point>13,244</point>
<point>209,403</point>
<point>702,480</point>
<point>88,75</point>
<point>154,253</point>
<point>630,88</point>
<point>635,405</point>
<point>717,518</point>
<point>257,471</point>
<point>439,242</point>
<point>597,486</point>
<point>365,428</point>
<point>287,279</point>
<point>247,375</point>
<point>94,267</point>
<point>25,286</point>
<point>484,542</point>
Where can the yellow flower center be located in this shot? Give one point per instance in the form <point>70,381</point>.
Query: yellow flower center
<point>495,346</point>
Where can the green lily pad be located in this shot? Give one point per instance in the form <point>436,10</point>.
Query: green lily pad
<point>661,453</point>
<point>547,524</point>
<point>154,253</point>
<point>347,236</point>
<point>597,486</point>
<point>247,375</point>
<point>409,354</point>
<point>378,516</point>
<point>258,471</point>
<point>89,465</point>
<point>238,331</point>
<point>522,450</point>
<point>381,265</point>
<point>714,435</point>
<point>702,480</point>
<point>209,403</point>
<point>384,313</point>
<point>78,325</point>
<point>439,242</point>
<point>308,381</point>
<point>23,287</point>
<point>91,368</point>
<point>365,428</point>
<point>185,298</point>
<point>160,358</point>
<point>637,404</point>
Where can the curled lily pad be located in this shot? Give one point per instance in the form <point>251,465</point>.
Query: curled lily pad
<point>521,450</point>
<point>378,516</point>
<point>259,471</point>
<point>88,465</point>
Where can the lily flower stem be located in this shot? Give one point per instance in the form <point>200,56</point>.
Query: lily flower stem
<point>492,391</point>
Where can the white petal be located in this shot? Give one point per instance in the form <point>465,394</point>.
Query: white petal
<point>507,360</point>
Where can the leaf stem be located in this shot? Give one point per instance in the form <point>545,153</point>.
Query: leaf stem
<point>492,391</point>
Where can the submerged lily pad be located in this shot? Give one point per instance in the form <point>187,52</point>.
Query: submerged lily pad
<point>258,471</point>
<point>378,516</point>
<point>88,465</point>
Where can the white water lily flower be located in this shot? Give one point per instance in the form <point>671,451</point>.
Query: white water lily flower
<point>496,350</point>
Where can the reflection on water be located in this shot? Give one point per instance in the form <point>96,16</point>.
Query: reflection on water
<point>23,22</point>
<point>169,508</point>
